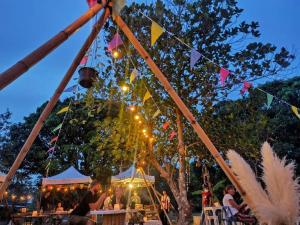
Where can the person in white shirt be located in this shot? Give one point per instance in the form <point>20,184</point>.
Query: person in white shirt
<point>235,210</point>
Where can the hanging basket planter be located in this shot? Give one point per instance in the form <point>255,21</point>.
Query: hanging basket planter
<point>87,76</point>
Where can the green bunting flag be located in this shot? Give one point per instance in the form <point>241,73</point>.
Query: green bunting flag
<point>65,109</point>
<point>147,96</point>
<point>57,128</point>
<point>269,100</point>
<point>133,75</point>
<point>156,114</point>
<point>295,110</point>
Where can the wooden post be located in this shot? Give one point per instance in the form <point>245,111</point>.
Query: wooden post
<point>49,107</point>
<point>183,108</point>
<point>24,64</point>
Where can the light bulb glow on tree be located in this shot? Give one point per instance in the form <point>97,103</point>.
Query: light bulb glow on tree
<point>136,117</point>
<point>116,54</point>
<point>125,88</point>
<point>130,186</point>
<point>132,108</point>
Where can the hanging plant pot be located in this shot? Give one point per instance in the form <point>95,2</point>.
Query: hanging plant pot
<point>87,76</point>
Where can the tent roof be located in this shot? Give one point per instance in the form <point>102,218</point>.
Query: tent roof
<point>69,176</point>
<point>132,175</point>
<point>2,177</point>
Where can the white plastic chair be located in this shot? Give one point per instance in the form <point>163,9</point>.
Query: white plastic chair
<point>212,215</point>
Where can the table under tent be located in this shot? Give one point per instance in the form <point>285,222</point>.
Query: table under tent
<point>66,187</point>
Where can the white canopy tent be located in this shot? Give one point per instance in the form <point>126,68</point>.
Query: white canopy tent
<point>69,176</point>
<point>132,176</point>
<point>2,177</point>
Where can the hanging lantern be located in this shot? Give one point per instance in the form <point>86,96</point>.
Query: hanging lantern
<point>87,76</point>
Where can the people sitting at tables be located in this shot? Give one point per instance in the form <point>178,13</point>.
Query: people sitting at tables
<point>108,203</point>
<point>89,202</point>
<point>235,210</point>
<point>135,199</point>
<point>59,207</point>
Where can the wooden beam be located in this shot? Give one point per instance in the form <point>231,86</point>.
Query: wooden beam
<point>27,62</point>
<point>180,104</point>
<point>49,107</point>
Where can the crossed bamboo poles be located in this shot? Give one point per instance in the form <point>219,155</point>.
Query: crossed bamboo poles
<point>22,66</point>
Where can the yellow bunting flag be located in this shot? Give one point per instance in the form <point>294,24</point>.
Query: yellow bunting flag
<point>156,31</point>
<point>133,75</point>
<point>147,96</point>
<point>156,114</point>
<point>65,109</point>
<point>295,110</point>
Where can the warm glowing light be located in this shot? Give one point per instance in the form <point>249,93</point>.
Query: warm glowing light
<point>132,108</point>
<point>72,188</point>
<point>44,189</point>
<point>29,197</point>
<point>151,139</point>
<point>116,54</point>
<point>125,88</point>
<point>130,185</point>
<point>66,190</point>
<point>6,193</point>
<point>22,198</point>
<point>144,131</point>
<point>13,197</point>
<point>58,189</point>
<point>50,188</point>
<point>137,117</point>
<point>146,135</point>
<point>140,122</point>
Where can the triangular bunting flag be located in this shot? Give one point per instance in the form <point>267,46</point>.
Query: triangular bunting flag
<point>166,125</point>
<point>50,150</point>
<point>84,60</point>
<point>172,135</point>
<point>53,140</point>
<point>246,86</point>
<point>269,100</point>
<point>71,89</point>
<point>156,114</point>
<point>133,75</point>
<point>115,42</point>
<point>147,96</point>
<point>195,56</point>
<point>91,3</point>
<point>118,5</point>
<point>223,75</point>
<point>57,128</point>
<point>65,109</point>
<point>295,110</point>
<point>156,31</point>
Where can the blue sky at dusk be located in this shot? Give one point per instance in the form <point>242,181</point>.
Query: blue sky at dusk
<point>25,25</point>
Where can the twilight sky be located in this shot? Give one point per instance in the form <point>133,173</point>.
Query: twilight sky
<point>25,25</point>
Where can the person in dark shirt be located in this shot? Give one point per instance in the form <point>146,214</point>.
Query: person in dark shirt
<point>45,202</point>
<point>89,202</point>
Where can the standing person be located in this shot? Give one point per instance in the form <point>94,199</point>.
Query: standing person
<point>45,202</point>
<point>89,202</point>
<point>206,197</point>
<point>235,210</point>
<point>165,207</point>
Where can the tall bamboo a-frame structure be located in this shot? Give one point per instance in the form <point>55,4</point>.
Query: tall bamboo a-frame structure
<point>23,65</point>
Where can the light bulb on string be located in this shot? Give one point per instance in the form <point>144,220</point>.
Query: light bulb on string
<point>132,108</point>
<point>137,117</point>
<point>144,131</point>
<point>140,122</point>
<point>116,54</point>
<point>125,88</point>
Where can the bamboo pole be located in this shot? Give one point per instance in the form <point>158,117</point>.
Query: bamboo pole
<point>28,61</point>
<point>49,107</point>
<point>180,104</point>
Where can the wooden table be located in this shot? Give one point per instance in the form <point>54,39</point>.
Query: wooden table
<point>111,217</point>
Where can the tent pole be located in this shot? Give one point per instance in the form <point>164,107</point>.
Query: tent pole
<point>49,107</point>
<point>28,61</point>
<point>181,105</point>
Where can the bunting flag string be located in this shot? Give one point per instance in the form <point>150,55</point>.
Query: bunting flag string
<point>54,139</point>
<point>156,114</point>
<point>65,109</point>
<point>195,56</point>
<point>156,32</point>
<point>166,125</point>
<point>71,88</point>
<point>295,111</point>
<point>223,75</point>
<point>115,42</point>
<point>269,100</point>
<point>57,128</point>
<point>246,86</point>
<point>133,75</point>
<point>84,60</point>
<point>147,96</point>
<point>91,3</point>
<point>172,135</point>
<point>51,150</point>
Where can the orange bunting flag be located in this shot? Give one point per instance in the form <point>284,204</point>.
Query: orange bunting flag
<point>156,31</point>
<point>172,135</point>
<point>53,140</point>
<point>147,96</point>
<point>166,125</point>
<point>295,110</point>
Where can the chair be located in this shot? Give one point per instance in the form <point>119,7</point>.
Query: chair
<point>211,215</point>
<point>227,218</point>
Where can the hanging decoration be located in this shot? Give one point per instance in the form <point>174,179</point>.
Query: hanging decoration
<point>118,5</point>
<point>51,150</point>
<point>223,75</point>
<point>87,76</point>
<point>156,32</point>
<point>133,75</point>
<point>156,114</point>
<point>246,86</point>
<point>65,109</point>
<point>84,60</point>
<point>54,139</point>
<point>146,97</point>
<point>57,128</point>
<point>195,56</point>
<point>295,111</point>
<point>269,100</point>
<point>115,42</point>
<point>71,89</point>
<point>166,125</point>
<point>172,135</point>
<point>91,3</point>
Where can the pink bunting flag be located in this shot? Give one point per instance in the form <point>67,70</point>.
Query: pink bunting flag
<point>50,150</point>
<point>91,3</point>
<point>115,42</point>
<point>223,75</point>
<point>172,135</point>
<point>84,60</point>
<point>246,87</point>
<point>53,140</point>
<point>166,125</point>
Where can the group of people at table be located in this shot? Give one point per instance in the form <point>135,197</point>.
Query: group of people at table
<point>107,201</point>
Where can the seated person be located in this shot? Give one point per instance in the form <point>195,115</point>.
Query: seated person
<point>235,210</point>
<point>107,205</point>
<point>135,199</point>
<point>59,207</point>
<point>89,202</point>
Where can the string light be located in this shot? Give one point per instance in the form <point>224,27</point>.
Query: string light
<point>130,186</point>
<point>29,197</point>
<point>22,198</point>
<point>132,108</point>
<point>116,54</point>
<point>125,88</point>
<point>140,122</point>
<point>13,197</point>
<point>144,131</point>
<point>44,189</point>
<point>137,117</point>
<point>66,190</point>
